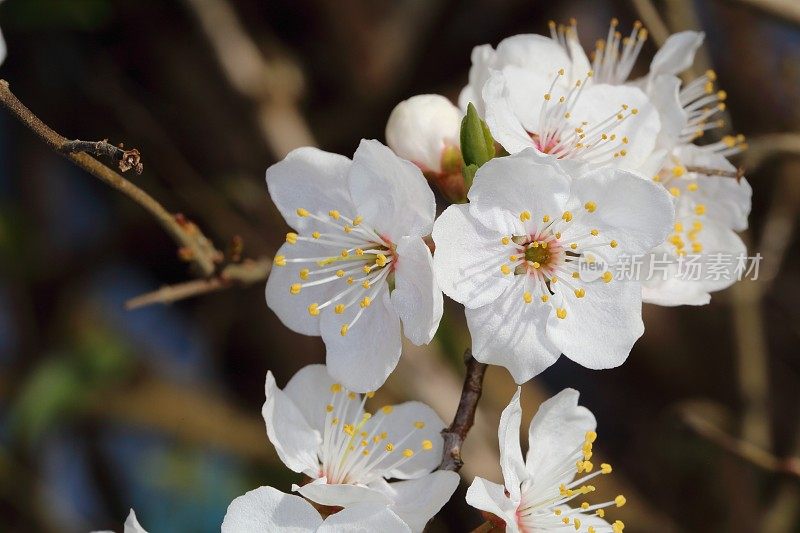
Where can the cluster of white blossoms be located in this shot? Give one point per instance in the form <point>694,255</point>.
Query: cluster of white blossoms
<point>557,166</point>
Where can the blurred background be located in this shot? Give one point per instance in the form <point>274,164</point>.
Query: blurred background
<point>158,408</point>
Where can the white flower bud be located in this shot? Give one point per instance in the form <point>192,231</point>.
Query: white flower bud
<point>422,127</point>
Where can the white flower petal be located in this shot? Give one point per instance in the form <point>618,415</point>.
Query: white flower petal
<point>504,123</point>
<point>294,440</point>
<point>665,96</point>
<point>558,428</point>
<point>599,329</point>
<point>468,258</point>
<point>634,211</point>
<point>390,193</point>
<point>491,497</point>
<point>268,509</point>
<point>132,524</point>
<point>311,179</point>
<point>537,54</point>
<point>2,48</point>
<point>599,102</point>
<point>340,495</point>
<point>506,186</point>
<point>677,53</point>
<point>420,128</point>
<point>363,358</point>
<point>417,501</point>
<point>292,309</point>
<point>310,391</point>
<point>364,518</point>
<point>510,333</point>
<point>482,57</point>
<point>416,297</point>
<point>401,430</point>
<point>511,462</point>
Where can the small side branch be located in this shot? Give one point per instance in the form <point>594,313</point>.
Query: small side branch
<point>195,246</point>
<point>465,414</point>
<point>749,452</point>
<point>239,274</point>
<point>125,159</point>
<point>738,173</point>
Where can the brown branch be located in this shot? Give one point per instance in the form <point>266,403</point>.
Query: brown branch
<point>238,274</point>
<point>708,171</point>
<point>195,247</point>
<point>743,449</point>
<point>465,414</point>
<point>125,159</point>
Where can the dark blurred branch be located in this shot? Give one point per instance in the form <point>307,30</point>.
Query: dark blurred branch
<point>652,20</point>
<point>195,247</point>
<point>743,449</point>
<point>787,9</point>
<point>465,414</point>
<point>126,159</point>
<point>237,274</point>
<point>766,146</point>
<point>274,85</point>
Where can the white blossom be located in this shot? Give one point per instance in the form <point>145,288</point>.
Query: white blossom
<point>534,92</point>
<point>425,130</point>
<point>131,525</point>
<point>530,258</point>
<point>539,491</point>
<point>268,509</point>
<point>321,429</point>
<point>356,266</point>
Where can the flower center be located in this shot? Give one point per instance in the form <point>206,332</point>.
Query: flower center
<point>558,135</point>
<point>545,497</point>
<point>356,260</point>
<point>547,260</point>
<point>535,253</point>
<point>357,446</point>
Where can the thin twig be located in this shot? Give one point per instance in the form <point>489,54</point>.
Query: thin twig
<point>126,159</point>
<point>195,246</point>
<point>465,414</point>
<point>708,171</point>
<point>746,450</point>
<point>237,274</point>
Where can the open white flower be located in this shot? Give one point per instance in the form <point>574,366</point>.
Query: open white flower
<point>530,257</point>
<point>131,525</point>
<point>268,509</point>
<point>356,265</point>
<point>535,95</point>
<point>322,430</point>
<point>539,491</point>
<point>425,130</point>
